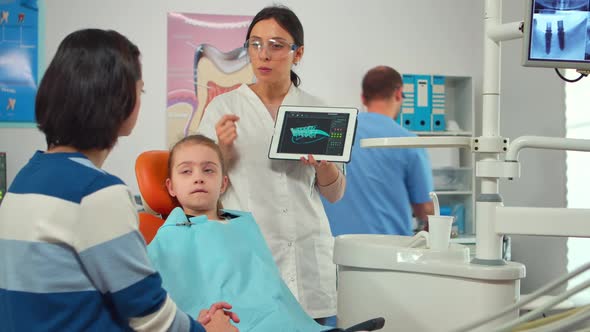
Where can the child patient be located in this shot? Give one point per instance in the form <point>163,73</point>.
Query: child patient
<point>205,254</point>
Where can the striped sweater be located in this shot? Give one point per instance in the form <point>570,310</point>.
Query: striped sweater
<point>72,257</point>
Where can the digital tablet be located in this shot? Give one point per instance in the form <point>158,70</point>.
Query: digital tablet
<point>325,132</point>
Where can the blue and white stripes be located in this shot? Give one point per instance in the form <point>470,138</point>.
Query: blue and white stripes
<point>71,255</point>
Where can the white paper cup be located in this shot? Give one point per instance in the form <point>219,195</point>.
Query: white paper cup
<point>439,228</point>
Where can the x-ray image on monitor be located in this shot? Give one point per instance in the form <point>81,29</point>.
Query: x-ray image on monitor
<point>557,34</point>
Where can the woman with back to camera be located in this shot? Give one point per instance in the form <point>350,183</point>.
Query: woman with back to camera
<point>71,255</point>
<point>282,195</point>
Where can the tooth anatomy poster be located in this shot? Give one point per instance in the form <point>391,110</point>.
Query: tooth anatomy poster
<point>18,61</point>
<point>205,58</point>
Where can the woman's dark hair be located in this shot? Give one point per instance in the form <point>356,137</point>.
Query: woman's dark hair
<point>287,19</point>
<point>380,83</point>
<point>88,90</point>
<point>197,140</point>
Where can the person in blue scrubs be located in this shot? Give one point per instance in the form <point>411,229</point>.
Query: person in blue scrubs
<point>385,187</point>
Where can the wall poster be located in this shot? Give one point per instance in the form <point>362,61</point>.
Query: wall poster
<point>19,22</point>
<point>205,58</point>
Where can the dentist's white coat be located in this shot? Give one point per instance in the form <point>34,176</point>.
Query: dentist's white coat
<point>282,197</point>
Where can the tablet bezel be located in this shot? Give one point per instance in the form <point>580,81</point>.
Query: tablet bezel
<point>348,140</point>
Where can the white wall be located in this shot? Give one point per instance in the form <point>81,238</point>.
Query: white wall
<point>342,40</point>
<point>341,43</point>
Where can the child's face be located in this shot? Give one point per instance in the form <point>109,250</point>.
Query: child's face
<point>196,179</point>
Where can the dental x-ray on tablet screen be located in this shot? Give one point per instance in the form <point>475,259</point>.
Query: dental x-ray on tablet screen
<point>327,133</point>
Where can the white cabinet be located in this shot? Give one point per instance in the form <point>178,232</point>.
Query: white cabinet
<point>453,168</point>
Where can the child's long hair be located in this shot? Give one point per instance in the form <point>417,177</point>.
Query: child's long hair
<point>198,140</point>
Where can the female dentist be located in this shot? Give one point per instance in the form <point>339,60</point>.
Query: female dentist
<point>282,195</point>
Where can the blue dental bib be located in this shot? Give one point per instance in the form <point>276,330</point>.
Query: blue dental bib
<point>202,262</point>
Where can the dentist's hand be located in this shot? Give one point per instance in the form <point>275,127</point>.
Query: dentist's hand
<point>226,130</point>
<point>330,181</point>
<point>227,133</point>
<point>310,160</point>
<point>326,172</point>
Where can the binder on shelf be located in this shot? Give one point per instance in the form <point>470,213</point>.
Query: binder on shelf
<point>407,108</point>
<point>415,122</point>
<point>3,186</point>
<point>438,103</point>
<point>424,105</point>
<point>418,91</point>
<point>438,122</point>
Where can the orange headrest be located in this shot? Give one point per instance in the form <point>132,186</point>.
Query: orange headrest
<point>151,171</point>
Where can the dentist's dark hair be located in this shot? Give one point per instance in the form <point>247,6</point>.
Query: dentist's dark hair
<point>287,19</point>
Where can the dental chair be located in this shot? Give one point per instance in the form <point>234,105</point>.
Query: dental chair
<point>151,171</point>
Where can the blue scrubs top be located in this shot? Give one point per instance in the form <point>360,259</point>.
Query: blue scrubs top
<point>381,183</point>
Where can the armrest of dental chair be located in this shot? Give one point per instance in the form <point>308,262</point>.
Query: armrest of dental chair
<point>369,325</point>
<point>149,225</point>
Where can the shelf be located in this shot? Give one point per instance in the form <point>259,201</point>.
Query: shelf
<point>460,168</point>
<point>453,192</point>
<point>464,239</point>
<point>443,133</point>
<point>450,151</point>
